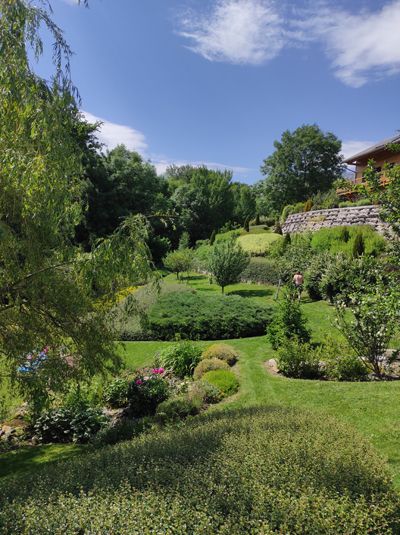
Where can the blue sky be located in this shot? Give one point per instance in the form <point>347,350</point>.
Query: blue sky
<point>217,81</point>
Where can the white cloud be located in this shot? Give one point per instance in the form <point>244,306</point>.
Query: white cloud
<point>352,147</point>
<point>113,134</point>
<point>363,45</point>
<point>236,31</point>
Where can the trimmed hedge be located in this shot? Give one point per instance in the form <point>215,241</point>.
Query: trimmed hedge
<point>262,270</point>
<point>223,352</point>
<point>206,317</point>
<point>274,470</point>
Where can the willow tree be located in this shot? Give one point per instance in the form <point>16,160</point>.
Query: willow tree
<point>52,295</point>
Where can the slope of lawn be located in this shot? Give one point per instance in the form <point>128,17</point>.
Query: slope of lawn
<point>372,408</point>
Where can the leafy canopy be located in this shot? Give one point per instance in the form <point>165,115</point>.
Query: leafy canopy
<point>227,261</point>
<point>305,162</point>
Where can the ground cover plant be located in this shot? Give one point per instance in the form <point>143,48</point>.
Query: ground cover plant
<point>257,244</point>
<point>206,317</point>
<point>313,476</point>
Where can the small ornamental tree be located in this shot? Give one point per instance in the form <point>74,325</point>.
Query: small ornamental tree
<point>371,326</point>
<point>227,262</point>
<point>179,261</point>
<point>289,322</point>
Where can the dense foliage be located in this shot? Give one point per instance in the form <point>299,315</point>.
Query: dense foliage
<point>206,317</point>
<point>227,262</point>
<point>223,352</point>
<point>304,473</point>
<point>225,380</point>
<point>181,358</point>
<point>305,162</point>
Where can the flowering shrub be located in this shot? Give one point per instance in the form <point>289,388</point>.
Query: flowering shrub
<point>147,390</point>
<point>116,393</point>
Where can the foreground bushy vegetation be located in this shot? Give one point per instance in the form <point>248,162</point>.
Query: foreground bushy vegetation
<point>302,474</point>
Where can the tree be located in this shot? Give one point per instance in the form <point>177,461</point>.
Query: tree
<point>202,199</point>
<point>179,261</point>
<point>244,203</point>
<point>52,295</point>
<point>289,323</point>
<point>373,323</point>
<point>227,261</point>
<point>305,162</point>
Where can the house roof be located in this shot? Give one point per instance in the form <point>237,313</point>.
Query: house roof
<point>381,146</point>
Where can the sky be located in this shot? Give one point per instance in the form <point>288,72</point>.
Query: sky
<point>215,82</point>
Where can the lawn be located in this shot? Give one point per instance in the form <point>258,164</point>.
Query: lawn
<point>372,408</point>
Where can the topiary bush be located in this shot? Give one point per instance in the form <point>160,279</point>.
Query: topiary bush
<point>204,391</point>
<point>223,352</point>
<point>260,470</point>
<point>181,358</point>
<point>225,380</point>
<point>298,360</point>
<point>207,365</point>
<point>207,317</point>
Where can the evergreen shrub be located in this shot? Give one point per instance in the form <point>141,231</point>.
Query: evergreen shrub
<point>223,352</point>
<point>225,380</point>
<point>207,365</point>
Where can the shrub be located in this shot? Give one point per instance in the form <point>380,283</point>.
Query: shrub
<point>358,245</point>
<point>345,367</point>
<point>223,352</point>
<point>145,393</point>
<point>260,470</point>
<point>262,270</point>
<point>298,360</point>
<point>288,322</point>
<point>207,365</point>
<point>372,325</point>
<point>181,358</point>
<point>119,432</point>
<point>225,380</point>
<point>337,277</point>
<point>116,393</point>
<point>177,408</point>
<point>258,244</point>
<point>341,240</point>
<point>204,391</point>
<point>314,274</point>
<point>69,425</point>
<point>207,317</point>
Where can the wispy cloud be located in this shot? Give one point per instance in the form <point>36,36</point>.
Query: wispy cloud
<point>361,46</point>
<point>235,31</point>
<point>113,134</point>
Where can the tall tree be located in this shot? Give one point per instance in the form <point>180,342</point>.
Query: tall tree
<point>244,203</point>
<point>305,162</point>
<point>51,294</point>
<point>202,198</point>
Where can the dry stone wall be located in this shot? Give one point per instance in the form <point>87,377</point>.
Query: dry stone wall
<point>335,217</point>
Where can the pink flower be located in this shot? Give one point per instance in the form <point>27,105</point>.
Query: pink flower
<point>157,370</point>
<point>46,350</point>
<point>138,382</point>
<point>29,357</point>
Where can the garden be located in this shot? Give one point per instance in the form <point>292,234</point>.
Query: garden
<point>162,371</point>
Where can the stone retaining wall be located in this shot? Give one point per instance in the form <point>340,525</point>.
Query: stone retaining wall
<point>335,217</point>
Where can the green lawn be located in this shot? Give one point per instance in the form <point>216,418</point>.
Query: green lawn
<point>373,408</point>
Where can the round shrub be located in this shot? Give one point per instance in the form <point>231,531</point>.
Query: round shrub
<point>225,380</point>
<point>298,360</point>
<point>260,470</point>
<point>145,393</point>
<point>176,409</point>
<point>207,365</point>
<point>206,317</point>
<point>223,352</point>
<point>204,391</point>
<point>181,358</point>
<point>116,393</point>
<point>262,270</point>
<point>67,424</point>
